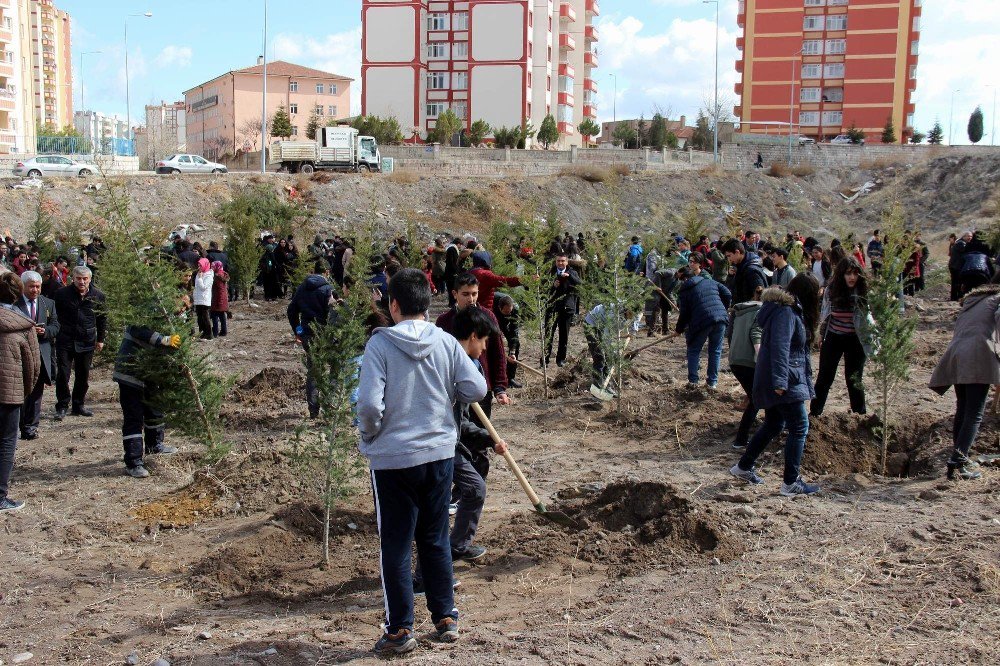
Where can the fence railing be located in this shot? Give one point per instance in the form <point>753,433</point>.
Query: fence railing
<point>12,143</point>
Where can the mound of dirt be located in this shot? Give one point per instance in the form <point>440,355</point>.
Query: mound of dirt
<point>178,509</point>
<point>629,526</point>
<point>271,386</point>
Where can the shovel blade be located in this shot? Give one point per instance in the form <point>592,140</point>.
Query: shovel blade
<point>602,394</point>
<point>557,517</point>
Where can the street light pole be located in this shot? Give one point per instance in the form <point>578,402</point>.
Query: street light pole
<point>791,106</point>
<point>128,99</point>
<point>715,142</point>
<point>263,103</point>
<point>951,117</point>
<point>82,108</point>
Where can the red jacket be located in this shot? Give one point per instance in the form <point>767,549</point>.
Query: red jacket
<point>220,292</point>
<point>488,284</point>
<point>493,360</point>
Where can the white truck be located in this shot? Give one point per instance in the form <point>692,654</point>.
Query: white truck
<point>335,148</point>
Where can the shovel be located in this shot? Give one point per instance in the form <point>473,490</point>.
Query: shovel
<point>601,392</point>
<point>525,366</point>
<point>555,516</point>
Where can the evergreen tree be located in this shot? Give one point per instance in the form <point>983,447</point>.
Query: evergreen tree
<point>936,135</point>
<point>624,135</point>
<point>588,129</point>
<point>701,138</point>
<point>917,137</point>
<point>889,131</point>
<point>527,133</point>
<point>505,137</point>
<point>548,133</point>
<point>658,131</point>
<point>312,126</point>
<point>40,230</point>
<point>447,126</point>
<point>478,131</point>
<point>856,135</point>
<point>281,124</point>
<point>672,141</point>
<point>976,126</point>
<point>642,132</point>
<point>386,131</point>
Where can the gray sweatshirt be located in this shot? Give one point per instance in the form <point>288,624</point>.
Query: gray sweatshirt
<point>411,376</point>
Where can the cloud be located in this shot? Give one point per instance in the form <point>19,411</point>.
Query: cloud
<point>338,53</point>
<point>174,56</point>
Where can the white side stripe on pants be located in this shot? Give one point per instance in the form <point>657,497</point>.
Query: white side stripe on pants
<point>381,569</point>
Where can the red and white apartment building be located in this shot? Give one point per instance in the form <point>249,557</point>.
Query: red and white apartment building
<point>502,61</point>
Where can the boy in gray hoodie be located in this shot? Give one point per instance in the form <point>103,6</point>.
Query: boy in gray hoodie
<point>411,376</point>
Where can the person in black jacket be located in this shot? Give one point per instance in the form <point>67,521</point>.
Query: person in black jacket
<point>703,318</point>
<point>509,319</point>
<point>977,267</point>
<point>746,271</point>
<point>142,423</point>
<point>561,308</point>
<point>82,328</point>
<point>42,311</point>
<point>309,309</point>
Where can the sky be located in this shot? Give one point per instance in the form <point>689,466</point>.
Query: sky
<point>661,53</point>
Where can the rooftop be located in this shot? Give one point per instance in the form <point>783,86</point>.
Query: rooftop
<point>282,68</point>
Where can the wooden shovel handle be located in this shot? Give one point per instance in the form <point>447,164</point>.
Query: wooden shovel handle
<point>525,366</point>
<point>478,411</point>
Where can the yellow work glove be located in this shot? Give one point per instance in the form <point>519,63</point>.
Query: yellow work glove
<point>172,341</point>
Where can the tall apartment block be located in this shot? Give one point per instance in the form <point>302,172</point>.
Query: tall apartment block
<point>52,66</point>
<point>502,61</point>
<point>831,64</point>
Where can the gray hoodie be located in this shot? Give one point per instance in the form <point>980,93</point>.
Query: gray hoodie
<point>411,376</point>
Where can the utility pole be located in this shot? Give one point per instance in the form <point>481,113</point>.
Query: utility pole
<point>715,112</point>
<point>791,106</point>
<point>263,103</point>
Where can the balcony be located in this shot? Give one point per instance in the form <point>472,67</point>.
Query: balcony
<point>738,88</point>
<point>590,59</point>
<point>566,99</point>
<point>6,36</point>
<point>7,104</point>
<point>740,41</point>
<point>565,69</point>
<point>6,69</point>
<point>590,84</point>
<point>589,111</point>
<point>567,13</point>
<point>567,43</point>
<point>567,128</point>
<point>590,33</point>
<point>593,9</point>
<point>739,66</point>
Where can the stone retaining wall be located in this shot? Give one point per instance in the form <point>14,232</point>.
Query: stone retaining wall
<point>110,164</point>
<point>825,156</point>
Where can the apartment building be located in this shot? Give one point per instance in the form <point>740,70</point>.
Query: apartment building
<point>828,65</point>
<point>100,129</point>
<point>502,61</point>
<point>52,66</point>
<point>223,115</point>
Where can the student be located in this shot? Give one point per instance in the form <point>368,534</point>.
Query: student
<point>783,271</point>
<point>409,439</point>
<point>820,266</point>
<point>703,318</point>
<point>743,347</point>
<point>782,381</point>
<point>600,326</point>
<point>509,320</point>
<point>746,271</point>
<point>561,308</point>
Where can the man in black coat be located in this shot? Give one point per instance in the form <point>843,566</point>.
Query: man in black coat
<point>42,311</point>
<point>308,310</point>
<point>82,327</point>
<point>747,272</point>
<point>561,308</point>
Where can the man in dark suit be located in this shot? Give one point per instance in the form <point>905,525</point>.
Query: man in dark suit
<point>42,311</point>
<point>83,325</point>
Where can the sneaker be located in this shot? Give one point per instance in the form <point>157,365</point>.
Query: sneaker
<point>7,504</point>
<point>515,385</point>
<point>560,364</point>
<point>60,414</point>
<point>162,450</point>
<point>137,472</point>
<point>800,487</point>
<point>712,387</point>
<point>472,553</point>
<point>453,508</point>
<point>748,475</point>
<point>82,411</point>
<point>446,630</point>
<point>694,385</point>
<point>399,643</point>
<point>739,445</point>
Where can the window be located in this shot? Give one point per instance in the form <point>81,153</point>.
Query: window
<point>437,21</point>
<point>916,24</point>
<point>836,3</point>
<point>809,95</point>
<point>836,22</point>
<point>915,47</point>
<point>199,160</point>
<point>437,50</point>
<point>809,118</point>
<point>295,130</point>
<point>461,109</point>
<point>184,159</point>
<point>909,120</point>
<point>834,118</point>
<point>333,88</point>
<point>435,109</point>
<point>319,109</point>
<point>319,88</point>
<point>460,21</point>
<point>913,71</point>
<point>811,71</point>
<point>812,23</point>
<point>835,95</point>
<point>437,80</point>
<point>565,84</point>
<point>332,110</point>
<point>460,81</point>
<point>293,86</point>
<point>815,3</point>
<point>836,46</point>
<point>833,70</point>
<point>565,114</point>
<point>293,109</point>
<point>812,47</point>
<point>460,50</point>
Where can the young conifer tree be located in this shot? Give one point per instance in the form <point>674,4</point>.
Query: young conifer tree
<point>888,366</point>
<point>145,287</point>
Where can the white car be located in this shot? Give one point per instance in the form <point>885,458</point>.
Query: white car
<point>843,140</point>
<point>806,141</point>
<point>189,164</point>
<point>54,165</point>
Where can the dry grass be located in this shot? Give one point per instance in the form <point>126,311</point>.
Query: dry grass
<point>779,170</point>
<point>621,169</point>
<point>322,177</point>
<point>803,170</point>
<point>712,170</point>
<point>881,163</point>
<point>591,174</point>
<point>404,177</point>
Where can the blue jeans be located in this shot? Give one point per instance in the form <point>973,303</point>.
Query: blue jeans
<point>411,504</point>
<point>793,416</point>
<point>713,335</point>
<point>10,416</point>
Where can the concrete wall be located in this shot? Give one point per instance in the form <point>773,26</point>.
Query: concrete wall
<point>110,164</point>
<point>825,156</point>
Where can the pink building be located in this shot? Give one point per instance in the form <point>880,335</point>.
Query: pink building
<point>223,115</point>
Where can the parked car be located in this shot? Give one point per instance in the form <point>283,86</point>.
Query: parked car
<point>843,140</point>
<point>807,141</point>
<point>54,165</point>
<point>189,164</point>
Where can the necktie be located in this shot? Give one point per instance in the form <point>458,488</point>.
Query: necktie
<point>31,305</point>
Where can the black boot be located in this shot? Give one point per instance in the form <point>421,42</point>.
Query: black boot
<point>961,463</point>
